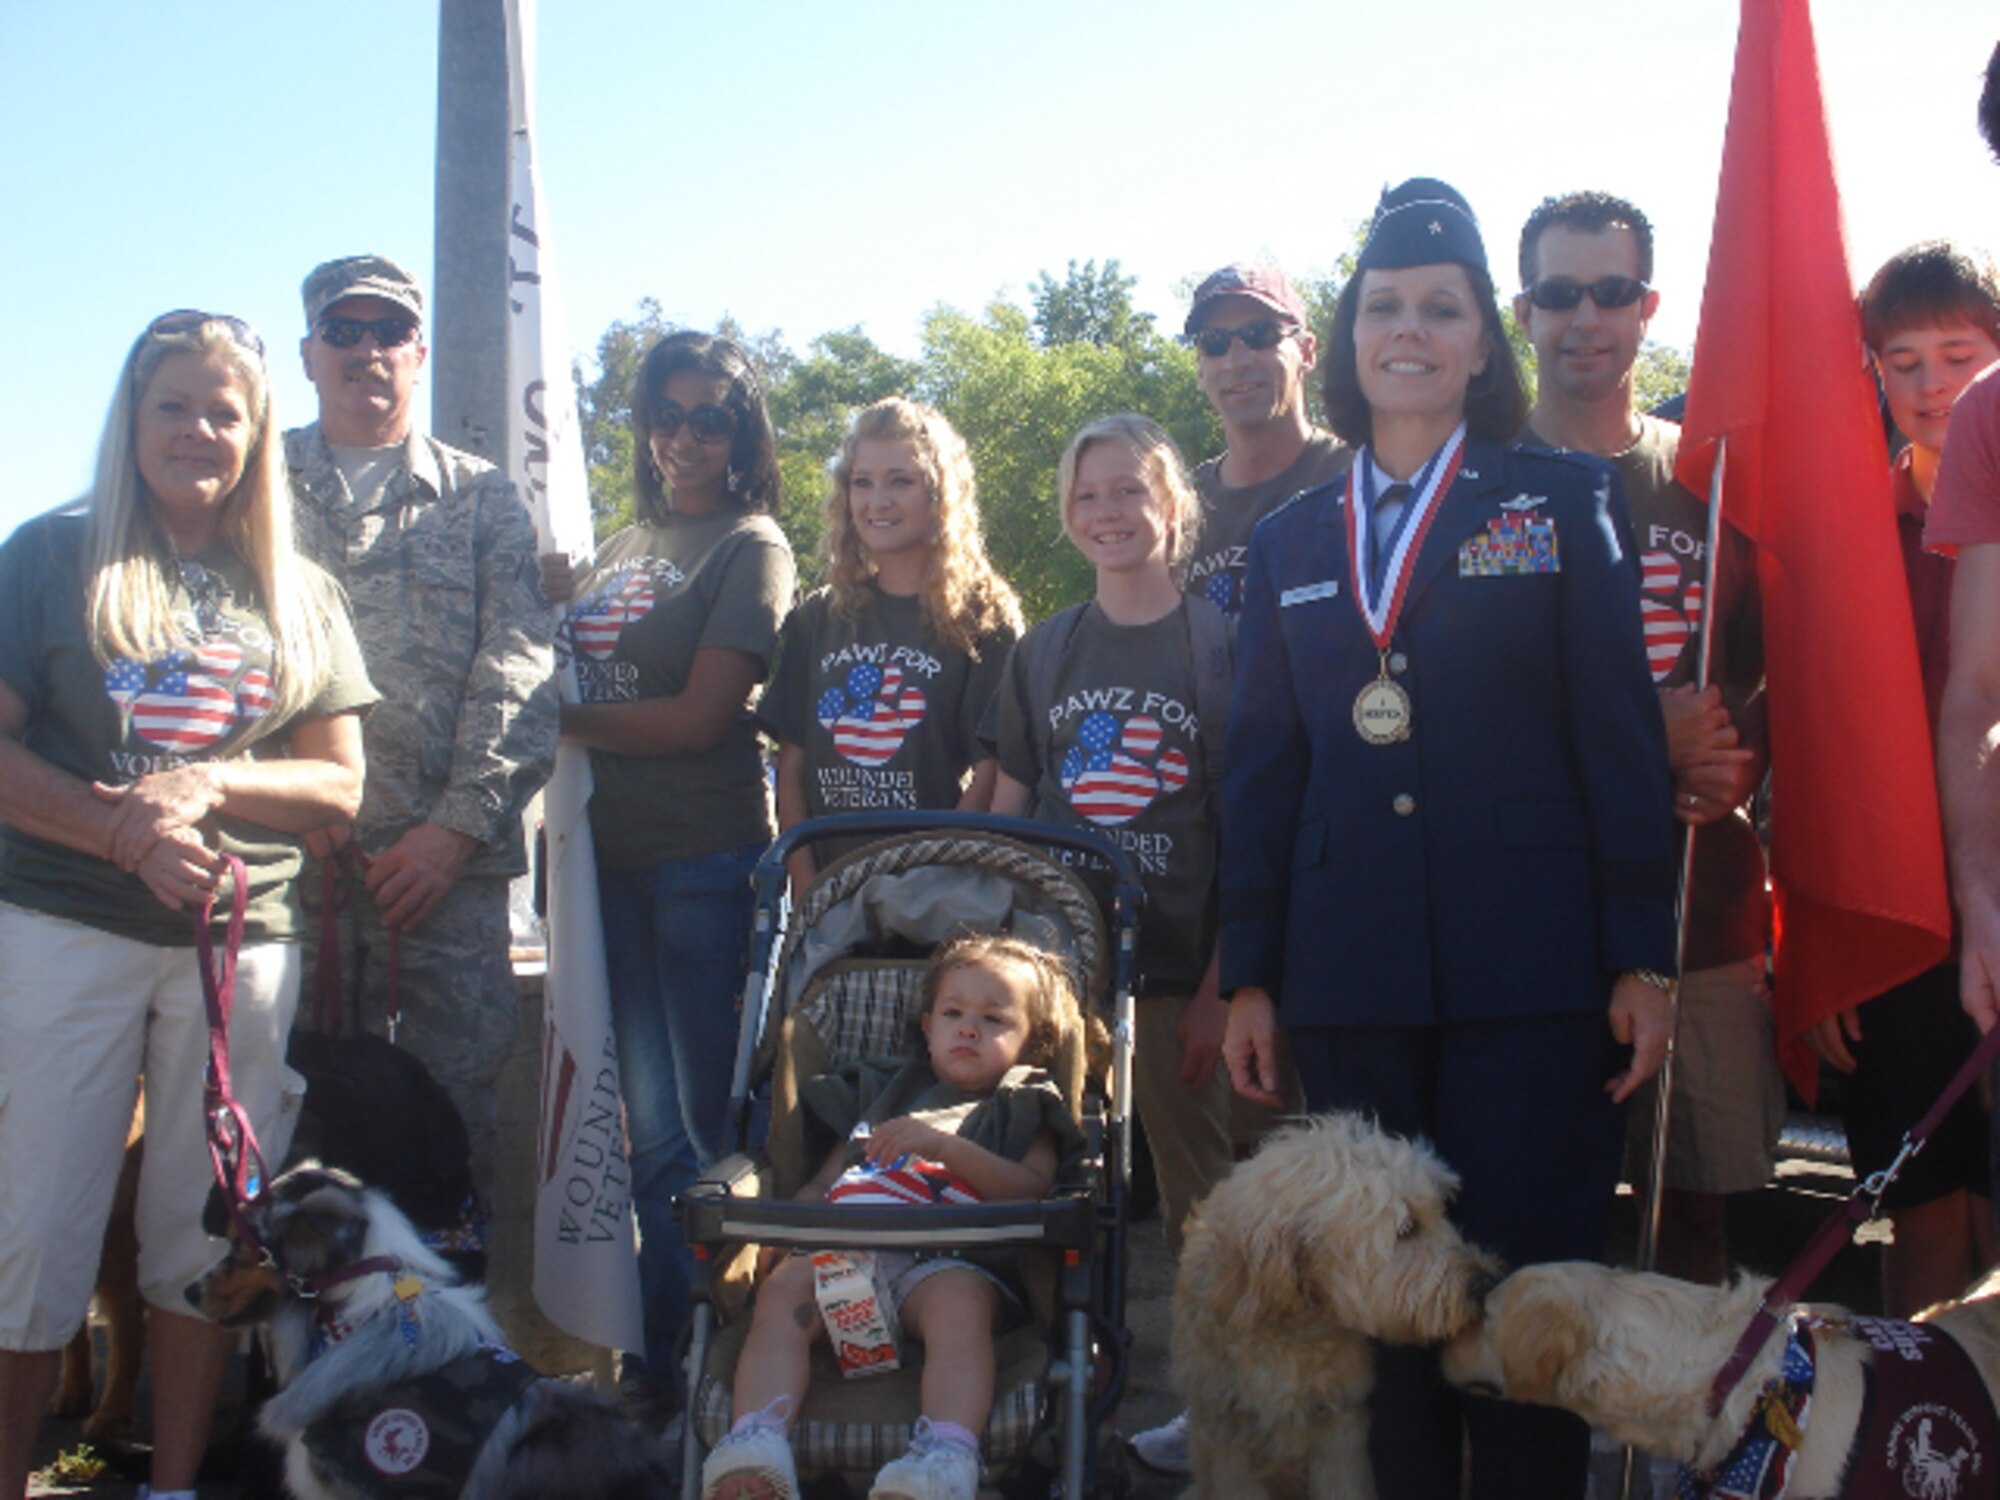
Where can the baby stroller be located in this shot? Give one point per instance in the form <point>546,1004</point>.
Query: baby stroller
<point>845,985</point>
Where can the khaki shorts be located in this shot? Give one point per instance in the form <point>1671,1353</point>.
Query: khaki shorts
<point>83,1014</point>
<point>1729,1097</point>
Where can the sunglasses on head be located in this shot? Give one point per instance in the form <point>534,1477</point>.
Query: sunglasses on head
<point>1262,333</point>
<point>190,320</point>
<point>389,332</point>
<point>709,423</point>
<point>1561,294</point>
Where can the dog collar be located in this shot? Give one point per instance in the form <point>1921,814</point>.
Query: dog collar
<point>329,1327</point>
<point>312,1286</point>
<point>1760,1465</point>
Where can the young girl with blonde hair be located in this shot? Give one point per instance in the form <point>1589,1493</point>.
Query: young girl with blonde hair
<point>1108,717</point>
<point>884,674</point>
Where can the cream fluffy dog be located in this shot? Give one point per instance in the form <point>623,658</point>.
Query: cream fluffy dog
<point>1334,1233</point>
<point>1635,1354</point>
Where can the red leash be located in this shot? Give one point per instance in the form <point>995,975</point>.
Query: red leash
<point>232,1143</point>
<point>326,967</point>
<point>1860,1205</point>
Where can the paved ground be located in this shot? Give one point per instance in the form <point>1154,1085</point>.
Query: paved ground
<point>1766,1229</point>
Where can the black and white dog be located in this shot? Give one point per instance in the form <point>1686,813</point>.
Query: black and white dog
<point>394,1381</point>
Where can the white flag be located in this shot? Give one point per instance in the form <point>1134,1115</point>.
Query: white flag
<point>586,1266</point>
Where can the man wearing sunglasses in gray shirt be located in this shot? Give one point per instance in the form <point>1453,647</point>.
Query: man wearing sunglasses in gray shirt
<point>1253,352</point>
<point>1586,259</point>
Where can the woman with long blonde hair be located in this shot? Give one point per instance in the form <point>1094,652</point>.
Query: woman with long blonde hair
<point>884,674</point>
<point>176,687</point>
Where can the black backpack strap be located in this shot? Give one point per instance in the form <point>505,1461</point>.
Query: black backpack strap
<point>1042,651</point>
<point>1211,638</point>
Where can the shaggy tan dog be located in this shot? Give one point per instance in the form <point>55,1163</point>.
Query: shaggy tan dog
<point>1635,1354</point>
<point>1334,1233</point>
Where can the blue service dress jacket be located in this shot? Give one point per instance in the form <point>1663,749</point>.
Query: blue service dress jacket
<point>1515,852</point>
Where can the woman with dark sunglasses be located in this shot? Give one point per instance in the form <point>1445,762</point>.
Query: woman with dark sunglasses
<point>176,687</point>
<point>1447,856</point>
<point>671,630</point>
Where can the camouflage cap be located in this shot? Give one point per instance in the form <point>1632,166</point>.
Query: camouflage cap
<point>360,276</point>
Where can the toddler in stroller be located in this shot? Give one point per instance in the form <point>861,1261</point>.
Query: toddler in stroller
<point>971,1118</point>
<point>842,978</point>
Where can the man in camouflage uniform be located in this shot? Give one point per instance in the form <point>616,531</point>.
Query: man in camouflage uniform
<point>438,558</point>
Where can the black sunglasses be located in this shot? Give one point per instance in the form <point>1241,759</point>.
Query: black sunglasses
<point>1561,294</point>
<point>1262,333</point>
<point>190,320</point>
<point>345,333</point>
<point>709,422</point>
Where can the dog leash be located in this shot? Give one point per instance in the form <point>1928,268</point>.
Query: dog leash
<point>232,1143</point>
<point>1856,1209</point>
<point>326,966</point>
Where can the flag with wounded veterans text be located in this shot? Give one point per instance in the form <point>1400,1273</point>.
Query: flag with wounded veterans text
<point>1857,855</point>
<point>586,1276</point>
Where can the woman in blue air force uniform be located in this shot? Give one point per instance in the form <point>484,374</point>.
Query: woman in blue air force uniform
<point>1447,852</point>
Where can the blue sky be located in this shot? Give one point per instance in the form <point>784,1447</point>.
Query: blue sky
<point>807,167</point>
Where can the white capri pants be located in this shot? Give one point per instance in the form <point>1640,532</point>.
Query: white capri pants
<point>83,1013</point>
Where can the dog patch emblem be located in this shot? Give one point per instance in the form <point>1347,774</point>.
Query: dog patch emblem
<point>1935,1452</point>
<point>396,1441</point>
<point>1929,1431</point>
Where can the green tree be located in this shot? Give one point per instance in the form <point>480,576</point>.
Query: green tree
<point>1018,402</point>
<point>1660,374</point>
<point>1088,306</point>
<point>604,412</point>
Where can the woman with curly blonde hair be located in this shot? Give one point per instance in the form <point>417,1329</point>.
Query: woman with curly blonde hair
<point>884,674</point>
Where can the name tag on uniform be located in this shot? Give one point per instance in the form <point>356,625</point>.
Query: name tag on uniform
<point>1305,593</point>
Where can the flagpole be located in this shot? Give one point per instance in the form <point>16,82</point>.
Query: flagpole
<point>1663,1090</point>
<point>1656,1168</point>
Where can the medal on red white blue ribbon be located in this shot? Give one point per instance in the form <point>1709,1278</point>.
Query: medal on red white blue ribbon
<point>1382,710</point>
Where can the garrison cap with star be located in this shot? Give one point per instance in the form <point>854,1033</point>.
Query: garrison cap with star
<point>1422,222</point>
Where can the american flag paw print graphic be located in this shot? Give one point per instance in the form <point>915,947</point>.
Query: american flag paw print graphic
<point>871,713</point>
<point>189,700</point>
<point>1114,773</point>
<point>599,620</point>
<point>1669,623</point>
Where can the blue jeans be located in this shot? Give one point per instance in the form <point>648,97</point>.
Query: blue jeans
<point>676,946</point>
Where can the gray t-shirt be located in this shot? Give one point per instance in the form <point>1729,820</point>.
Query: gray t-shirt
<point>660,592</point>
<point>888,716</point>
<point>1728,912</point>
<point>1124,758</point>
<point>115,724</point>
<point>1222,550</point>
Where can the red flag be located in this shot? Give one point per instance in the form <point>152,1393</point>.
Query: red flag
<point>1857,856</point>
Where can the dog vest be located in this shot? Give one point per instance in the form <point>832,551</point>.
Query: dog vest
<point>419,1437</point>
<point>1927,1431</point>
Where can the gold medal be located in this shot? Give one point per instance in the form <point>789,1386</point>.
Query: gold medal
<point>1382,712</point>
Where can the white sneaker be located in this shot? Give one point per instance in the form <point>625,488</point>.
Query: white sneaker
<point>1164,1448</point>
<point>933,1469</point>
<point>754,1463</point>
